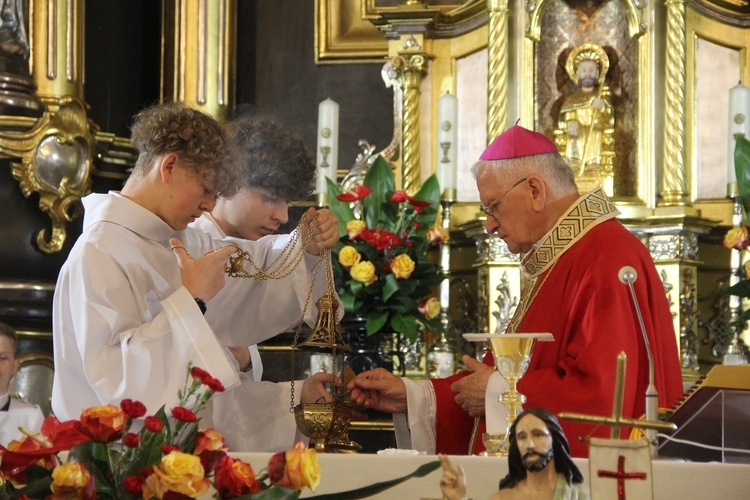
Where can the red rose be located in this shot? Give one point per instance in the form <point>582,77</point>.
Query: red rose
<point>154,424</point>
<point>133,484</point>
<point>206,379</point>
<point>234,478</point>
<point>103,423</point>
<point>131,440</point>
<point>183,414</point>
<point>132,409</point>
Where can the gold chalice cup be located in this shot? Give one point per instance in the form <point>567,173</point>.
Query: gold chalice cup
<point>512,353</point>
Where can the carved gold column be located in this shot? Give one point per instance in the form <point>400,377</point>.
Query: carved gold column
<point>675,191</point>
<point>497,75</point>
<point>56,151</point>
<point>198,57</point>
<point>410,64</point>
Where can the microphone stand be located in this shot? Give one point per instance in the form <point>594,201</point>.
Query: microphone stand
<point>628,276</point>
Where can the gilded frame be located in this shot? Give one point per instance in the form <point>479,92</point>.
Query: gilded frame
<point>700,26</point>
<point>344,35</point>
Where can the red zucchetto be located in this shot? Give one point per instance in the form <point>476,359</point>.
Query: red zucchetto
<point>517,142</point>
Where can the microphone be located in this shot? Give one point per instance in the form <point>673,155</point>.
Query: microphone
<point>627,276</point>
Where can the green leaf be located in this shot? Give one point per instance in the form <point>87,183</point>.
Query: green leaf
<point>405,324</point>
<point>342,210</point>
<point>380,179</point>
<point>742,169</point>
<point>389,287</point>
<point>375,321</point>
<point>348,300</point>
<point>376,488</point>
<point>429,191</point>
<point>38,483</point>
<point>741,289</point>
<point>275,492</point>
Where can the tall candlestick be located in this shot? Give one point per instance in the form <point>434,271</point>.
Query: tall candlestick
<point>739,123</point>
<point>447,147</point>
<point>328,145</point>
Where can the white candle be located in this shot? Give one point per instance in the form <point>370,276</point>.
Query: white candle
<point>739,122</point>
<point>447,144</point>
<point>328,144</point>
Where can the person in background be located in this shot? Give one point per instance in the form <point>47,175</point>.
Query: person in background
<point>573,250</point>
<point>130,301</point>
<point>14,412</point>
<point>275,167</point>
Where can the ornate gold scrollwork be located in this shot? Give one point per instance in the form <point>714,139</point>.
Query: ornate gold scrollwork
<point>56,162</point>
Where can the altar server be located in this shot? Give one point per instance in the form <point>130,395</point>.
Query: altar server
<point>275,168</point>
<point>129,305</point>
<point>573,250</point>
<point>14,412</point>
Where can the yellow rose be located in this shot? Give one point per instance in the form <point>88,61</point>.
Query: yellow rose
<point>354,227</point>
<point>437,234</point>
<point>430,308</point>
<point>735,238</point>
<point>103,423</point>
<point>69,480</point>
<point>177,472</point>
<point>302,467</point>
<point>364,272</point>
<point>402,266</point>
<point>746,267</point>
<point>348,256</point>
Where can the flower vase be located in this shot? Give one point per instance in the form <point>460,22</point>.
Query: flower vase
<point>368,352</point>
<point>411,356</point>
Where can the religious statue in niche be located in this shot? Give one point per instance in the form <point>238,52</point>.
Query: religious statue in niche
<point>586,124</point>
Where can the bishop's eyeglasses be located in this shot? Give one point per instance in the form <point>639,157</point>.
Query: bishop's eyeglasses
<point>489,210</point>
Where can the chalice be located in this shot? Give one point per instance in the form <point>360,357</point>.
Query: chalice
<point>512,353</point>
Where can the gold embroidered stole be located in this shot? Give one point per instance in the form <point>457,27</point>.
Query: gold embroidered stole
<point>589,210</point>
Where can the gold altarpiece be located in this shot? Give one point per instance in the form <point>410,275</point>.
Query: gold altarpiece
<point>505,60</point>
<point>55,148</point>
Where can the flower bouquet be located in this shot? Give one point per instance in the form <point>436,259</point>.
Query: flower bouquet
<point>737,237</point>
<point>169,458</point>
<point>381,265</point>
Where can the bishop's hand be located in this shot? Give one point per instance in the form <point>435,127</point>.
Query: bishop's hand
<point>379,389</point>
<point>471,388</point>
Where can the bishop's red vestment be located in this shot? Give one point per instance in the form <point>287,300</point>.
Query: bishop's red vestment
<point>575,293</point>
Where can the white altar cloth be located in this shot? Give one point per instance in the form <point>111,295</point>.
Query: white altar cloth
<point>672,480</point>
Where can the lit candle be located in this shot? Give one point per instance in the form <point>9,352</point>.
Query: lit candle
<point>739,123</point>
<point>447,147</point>
<point>328,144</point>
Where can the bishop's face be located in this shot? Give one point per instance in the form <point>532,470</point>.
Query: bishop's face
<point>510,206</point>
<point>534,443</point>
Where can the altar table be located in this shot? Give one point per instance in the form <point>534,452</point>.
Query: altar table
<point>672,480</point>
